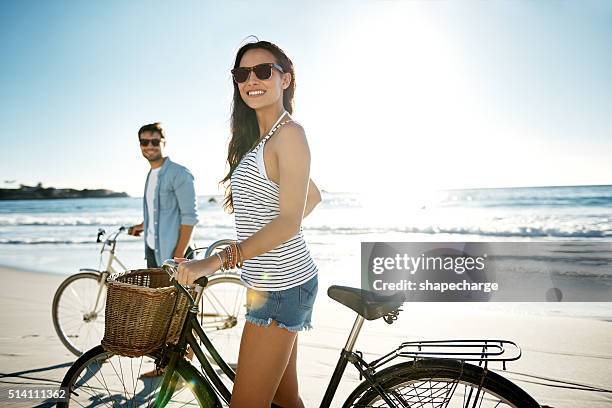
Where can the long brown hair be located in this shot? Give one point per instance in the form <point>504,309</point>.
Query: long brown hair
<point>244,126</point>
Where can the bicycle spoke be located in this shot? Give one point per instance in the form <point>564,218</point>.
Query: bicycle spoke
<point>219,302</point>
<point>78,298</point>
<point>77,324</point>
<point>73,308</point>
<point>105,381</point>
<point>87,389</point>
<point>438,393</point>
<point>121,379</point>
<point>469,397</point>
<point>134,378</point>
<point>238,303</point>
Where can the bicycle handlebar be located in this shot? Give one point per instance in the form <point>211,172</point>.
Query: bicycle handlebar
<point>112,237</point>
<point>171,267</point>
<point>215,245</point>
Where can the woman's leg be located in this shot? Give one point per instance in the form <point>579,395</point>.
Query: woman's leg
<point>264,355</point>
<point>287,394</point>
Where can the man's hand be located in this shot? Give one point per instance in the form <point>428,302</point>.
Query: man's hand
<point>183,241</point>
<point>177,255</point>
<point>136,230</point>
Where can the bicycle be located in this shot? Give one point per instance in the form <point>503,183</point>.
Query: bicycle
<point>78,304</point>
<point>428,378</point>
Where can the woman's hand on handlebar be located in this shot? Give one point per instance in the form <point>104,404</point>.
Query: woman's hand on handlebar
<point>191,270</point>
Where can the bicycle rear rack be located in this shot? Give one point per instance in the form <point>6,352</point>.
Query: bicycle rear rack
<point>483,351</point>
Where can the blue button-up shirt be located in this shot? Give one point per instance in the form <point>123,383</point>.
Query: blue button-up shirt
<point>175,205</point>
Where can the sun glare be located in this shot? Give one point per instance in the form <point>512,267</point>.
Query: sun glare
<point>409,109</point>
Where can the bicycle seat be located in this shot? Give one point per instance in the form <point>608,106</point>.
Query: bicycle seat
<point>370,305</point>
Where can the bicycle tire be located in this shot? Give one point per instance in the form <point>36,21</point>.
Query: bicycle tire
<point>57,299</point>
<point>437,376</point>
<point>223,323</point>
<point>93,363</point>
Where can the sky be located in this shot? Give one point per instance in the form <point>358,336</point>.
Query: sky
<point>395,96</point>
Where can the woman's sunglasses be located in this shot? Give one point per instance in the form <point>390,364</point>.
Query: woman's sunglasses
<point>262,72</point>
<point>154,142</point>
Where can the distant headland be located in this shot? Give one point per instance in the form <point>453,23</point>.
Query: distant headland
<point>39,192</point>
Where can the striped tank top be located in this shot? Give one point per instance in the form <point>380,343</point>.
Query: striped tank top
<point>256,203</point>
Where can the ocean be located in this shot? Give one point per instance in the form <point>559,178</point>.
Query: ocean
<point>58,236</point>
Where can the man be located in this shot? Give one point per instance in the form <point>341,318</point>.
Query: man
<point>169,202</point>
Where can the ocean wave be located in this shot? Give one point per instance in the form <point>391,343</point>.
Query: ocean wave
<point>534,202</point>
<point>25,229</point>
<point>40,241</point>
<point>581,274</point>
<point>329,230</point>
<point>528,232</point>
<point>65,222</point>
<point>83,222</point>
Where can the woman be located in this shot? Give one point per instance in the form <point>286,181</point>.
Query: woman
<point>270,193</point>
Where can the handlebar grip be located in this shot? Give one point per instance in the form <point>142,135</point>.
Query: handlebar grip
<point>203,281</point>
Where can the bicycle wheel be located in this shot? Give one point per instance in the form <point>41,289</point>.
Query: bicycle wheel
<point>100,378</point>
<point>430,383</point>
<point>222,313</point>
<point>77,324</point>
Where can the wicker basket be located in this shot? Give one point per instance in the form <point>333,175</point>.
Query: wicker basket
<point>143,312</point>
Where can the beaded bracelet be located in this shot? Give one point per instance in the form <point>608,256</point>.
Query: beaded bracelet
<point>230,258</point>
<point>221,261</point>
<point>240,255</point>
<point>233,257</point>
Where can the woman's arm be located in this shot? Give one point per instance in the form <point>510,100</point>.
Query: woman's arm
<point>293,157</point>
<point>312,198</point>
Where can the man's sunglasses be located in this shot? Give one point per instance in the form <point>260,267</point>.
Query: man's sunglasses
<point>154,142</point>
<point>262,72</point>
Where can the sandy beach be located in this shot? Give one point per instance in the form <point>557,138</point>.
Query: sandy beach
<point>563,358</point>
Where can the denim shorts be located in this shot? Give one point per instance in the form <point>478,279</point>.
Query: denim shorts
<point>290,308</point>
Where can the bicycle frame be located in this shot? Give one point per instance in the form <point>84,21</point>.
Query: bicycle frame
<point>482,351</point>
<point>170,355</point>
<point>112,258</point>
<point>213,383</point>
<point>112,243</point>
<point>348,355</point>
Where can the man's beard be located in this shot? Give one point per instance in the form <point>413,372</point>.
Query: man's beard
<point>154,157</point>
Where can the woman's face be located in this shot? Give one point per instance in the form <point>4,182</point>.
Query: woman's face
<point>258,93</point>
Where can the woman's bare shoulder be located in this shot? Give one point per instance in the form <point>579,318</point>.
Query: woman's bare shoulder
<point>290,140</point>
<point>291,133</point>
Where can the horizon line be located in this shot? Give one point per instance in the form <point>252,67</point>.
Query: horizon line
<point>325,191</point>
